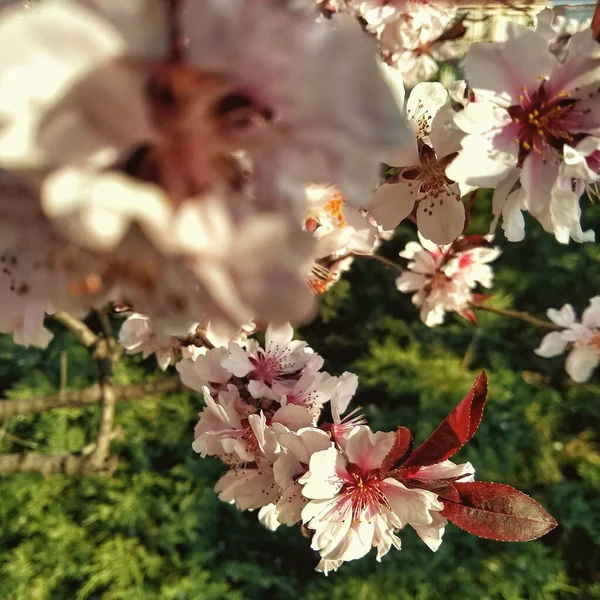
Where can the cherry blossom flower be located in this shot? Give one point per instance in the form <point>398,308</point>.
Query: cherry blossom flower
<point>139,335</point>
<point>205,370</point>
<point>444,277</point>
<point>291,464</point>
<point>421,184</point>
<point>248,488</point>
<point>282,356</point>
<point>582,339</point>
<point>339,227</point>
<point>528,95</point>
<point>237,432</point>
<point>352,507</point>
<point>411,42</point>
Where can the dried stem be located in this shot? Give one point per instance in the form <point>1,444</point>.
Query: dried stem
<point>86,397</point>
<point>520,315</point>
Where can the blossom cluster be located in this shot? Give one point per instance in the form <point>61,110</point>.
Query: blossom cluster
<point>444,277</point>
<point>222,161</point>
<point>350,488</point>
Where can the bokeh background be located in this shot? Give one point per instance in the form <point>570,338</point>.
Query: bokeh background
<point>155,529</point>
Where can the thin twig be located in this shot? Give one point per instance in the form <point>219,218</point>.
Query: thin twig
<point>383,260</point>
<point>520,315</point>
<point>83,333</point>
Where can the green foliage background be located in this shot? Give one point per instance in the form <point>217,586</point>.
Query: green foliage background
<point>156,530</point>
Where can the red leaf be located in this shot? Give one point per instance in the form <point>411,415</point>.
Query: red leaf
<point>479,298</point>
<point>440,487</point>
<point>469,242</point>
<point>469,315</point>
<point>402,444</point>
<point>498,512</point>
<point>455,430</point>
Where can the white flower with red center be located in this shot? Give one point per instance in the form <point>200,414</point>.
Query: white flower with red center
<point>421,184</point>
<point>282,356</point>
<point>581,339</point>
<point>530,106</point>
<point>444,277</point>
<point>352,507</point>
<point>311,391</point>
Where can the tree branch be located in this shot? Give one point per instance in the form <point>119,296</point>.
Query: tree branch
<point>83,333</point>
<point>520,315</point>
<point>50,464</point>
<point>86,397</point>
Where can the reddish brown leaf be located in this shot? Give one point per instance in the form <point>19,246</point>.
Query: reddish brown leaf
<point>455,430</point>
<point>469,242</point>
<point>469,315</point>
<point>454,32</point>
<point>497,512</point>
<point>596,22</point>
<point>402,445</point>
<point>443,488</point>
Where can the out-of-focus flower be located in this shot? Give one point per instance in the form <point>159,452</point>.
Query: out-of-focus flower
<point>421,184</point>
<point>444,277</point>
<point>528,95</point>
<point>138,334</point>
<point>182,168</point>
<point>581,339</point>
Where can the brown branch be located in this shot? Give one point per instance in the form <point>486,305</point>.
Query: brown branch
<point>86,397</point>
<point>520,315</point>
<point>50,464</point>
<point>83,333</point>
<point>108,403</point>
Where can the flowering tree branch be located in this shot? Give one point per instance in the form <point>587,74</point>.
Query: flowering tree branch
<point>85,397</point>
<point>517,314</point>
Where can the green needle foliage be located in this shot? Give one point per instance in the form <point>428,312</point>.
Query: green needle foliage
<point>156,531</point>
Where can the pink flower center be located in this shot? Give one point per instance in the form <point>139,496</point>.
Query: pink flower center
<point>266,368</point>
<point>595,341</point>
<point>364,492</point>
<point>465,261</point>
<point>544,122</point>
